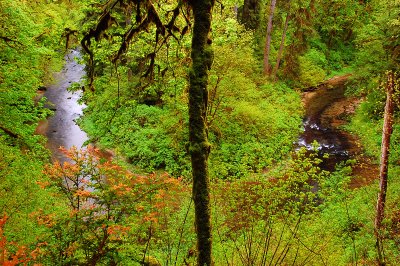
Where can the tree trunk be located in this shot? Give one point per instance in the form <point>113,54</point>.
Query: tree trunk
<point>278,59</point>
<point>383,173</point>
<point>202,56</point>
<point>268,39</point>
<point>251,14</point>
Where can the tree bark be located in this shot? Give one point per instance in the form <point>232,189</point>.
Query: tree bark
<point>268,39</point>
<point>279,57</point>
<point>202,56</point>
<point>383,173</point>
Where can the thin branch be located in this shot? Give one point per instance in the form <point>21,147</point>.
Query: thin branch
<point>182,229</point>
<point>8,40</point>
<point>10,133</point>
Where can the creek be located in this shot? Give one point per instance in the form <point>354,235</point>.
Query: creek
<point>61,128</point>
<point>318,124</point>
<point>326,110</point>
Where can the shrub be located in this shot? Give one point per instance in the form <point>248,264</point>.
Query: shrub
<point>312,66</point>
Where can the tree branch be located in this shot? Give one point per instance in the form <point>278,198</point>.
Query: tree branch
<point>8,40</point>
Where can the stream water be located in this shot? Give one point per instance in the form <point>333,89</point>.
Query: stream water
<point>322,117</point>
<point>326,109</point>
<point>61,128</point>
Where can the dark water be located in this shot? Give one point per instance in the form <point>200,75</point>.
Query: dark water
<point>318,126</point>
<point>61,128</point>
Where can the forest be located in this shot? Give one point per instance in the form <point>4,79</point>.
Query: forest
<point>199,132</point>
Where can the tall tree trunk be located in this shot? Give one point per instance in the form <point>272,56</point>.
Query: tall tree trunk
<point>202,57</point>
<point>251,14</point>
<point>268,39</point>
<point>279,57</point>
<point>383,173</point>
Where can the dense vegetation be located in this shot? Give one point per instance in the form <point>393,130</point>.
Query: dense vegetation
<point>269,203</point>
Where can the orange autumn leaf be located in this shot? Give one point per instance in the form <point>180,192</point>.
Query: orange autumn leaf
<point>43,184</point>
<point>152,217</point>
<point>82,193</point>
<point>139,208</point>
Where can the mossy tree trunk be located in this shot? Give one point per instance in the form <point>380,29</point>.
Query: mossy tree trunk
<point>383,173</point>
<point>198,134</point>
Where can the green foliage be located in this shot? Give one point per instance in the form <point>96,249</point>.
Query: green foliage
<point>338,57</point>
<point>277,218</point>
<point>286,218</point>
<point>149,136</point>
<point>251,137</point>
<point>250,125</point>
<point>370,132</point>
<point>377,42</point>
<point>22,195</point>
<point>374,105</point>
<point>311,68</point>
